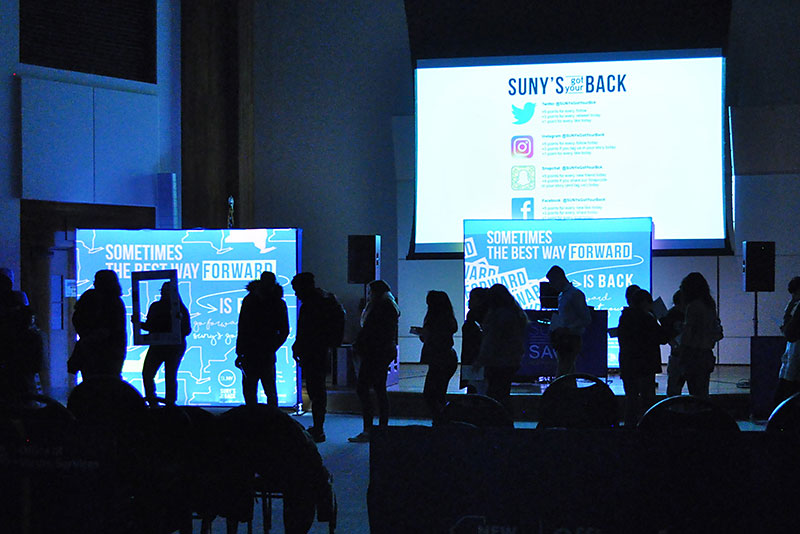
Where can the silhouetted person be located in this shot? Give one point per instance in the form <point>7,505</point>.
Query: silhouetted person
<point>700,332</point>
<point>99,320</point>
<point>789,374</point>
<point>263,328</point>
<point>640,337</point>
<point>630,291</point>
<point>673,324</point>
<point>569,324</point>
<point>471,335</point>
<point>437,351</point>
<point>159,320</point>
<point>21,345</point>
<point>375,348</point>
<point>320,327</point>
<point>503,343</point>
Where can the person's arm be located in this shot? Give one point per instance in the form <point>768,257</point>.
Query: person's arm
<point>283,326</point>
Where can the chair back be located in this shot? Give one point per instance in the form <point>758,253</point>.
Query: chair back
<point>687,413</point>
<point>477,410</point>
<point>106,400</point>
<point>785,420</point>
<point>578,401</point>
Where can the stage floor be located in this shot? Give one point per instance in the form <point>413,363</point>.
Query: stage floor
<point>729,388</point>
<point>725,380</point>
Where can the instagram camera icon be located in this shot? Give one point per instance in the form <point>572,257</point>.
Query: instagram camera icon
<point>522,146</point>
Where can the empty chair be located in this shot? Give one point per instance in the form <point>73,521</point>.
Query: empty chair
<point>578,401</point>
<point>477,410</point>
<point>784,421</point>
<point>685,412</point>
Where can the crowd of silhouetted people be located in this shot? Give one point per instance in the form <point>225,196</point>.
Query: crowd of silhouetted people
<point>494,341</point>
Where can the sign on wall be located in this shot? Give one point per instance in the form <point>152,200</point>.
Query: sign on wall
<point>600,257</point>
<point>213,267</point>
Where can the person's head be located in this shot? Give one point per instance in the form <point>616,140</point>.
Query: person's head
<point>629,292</point>
<point>500,297</point>
<point>439,303</point>
<point>557,278</point>
<point>376,289</point>
<point>693,287</point>
<point>106,281</point>
<point>303,284</point>
<point>641,299</point>
<point>268,285</point>
<point>477,299</point>
<point>794,286</point>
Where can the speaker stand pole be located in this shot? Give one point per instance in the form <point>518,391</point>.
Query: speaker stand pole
<point>755,314</point>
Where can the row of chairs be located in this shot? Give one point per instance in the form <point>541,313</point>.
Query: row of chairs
<point>585,401</point>
<point>106,463</point>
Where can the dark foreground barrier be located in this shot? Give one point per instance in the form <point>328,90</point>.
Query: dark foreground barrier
<point>481,480</point>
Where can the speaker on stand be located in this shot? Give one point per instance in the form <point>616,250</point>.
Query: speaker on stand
<point>363,259</point>
<point>758,270</point>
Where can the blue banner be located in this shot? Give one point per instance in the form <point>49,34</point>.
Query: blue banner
<point>601,257</point>
<point>213,266</point>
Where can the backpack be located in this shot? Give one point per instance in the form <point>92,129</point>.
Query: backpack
<point>335,316</point>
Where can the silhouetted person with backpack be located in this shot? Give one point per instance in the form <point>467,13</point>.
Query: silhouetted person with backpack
<point>320,328</point>
<point>701,330</point>
<point>159,320</point>
<point>99,319</point>
<point>263,328</point>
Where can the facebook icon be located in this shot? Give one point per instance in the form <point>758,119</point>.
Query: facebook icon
<point>522,208</point>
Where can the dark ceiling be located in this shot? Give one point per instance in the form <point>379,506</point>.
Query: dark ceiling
<point>479,28</point>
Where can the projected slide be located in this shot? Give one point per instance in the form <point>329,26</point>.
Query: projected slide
<point>213,268</point>
<point>572,137</point>
<point>601,258</point>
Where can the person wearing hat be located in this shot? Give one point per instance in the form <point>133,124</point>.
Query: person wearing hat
<point>263,328</point>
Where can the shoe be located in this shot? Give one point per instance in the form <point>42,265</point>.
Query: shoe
<point>317,435</point>
<point>361,438</point>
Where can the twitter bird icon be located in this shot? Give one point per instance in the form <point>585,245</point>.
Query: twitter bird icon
<point>523,114</point>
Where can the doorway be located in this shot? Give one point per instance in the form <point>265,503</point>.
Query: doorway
<point>47,272</point>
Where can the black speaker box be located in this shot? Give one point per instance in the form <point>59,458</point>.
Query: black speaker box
<point>363,258</point>
<point>758,265</point>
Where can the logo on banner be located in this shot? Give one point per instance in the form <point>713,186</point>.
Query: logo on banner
<point>522,208</point>
<point>523,177</point>
<point>522,146</point>
<point>523,114</point>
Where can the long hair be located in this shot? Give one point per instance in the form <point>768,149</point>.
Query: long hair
<point>439,307</point>
<point>695,287</point>
<point>106,281</point>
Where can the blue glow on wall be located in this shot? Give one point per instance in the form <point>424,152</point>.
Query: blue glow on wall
<point>214,266</point>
